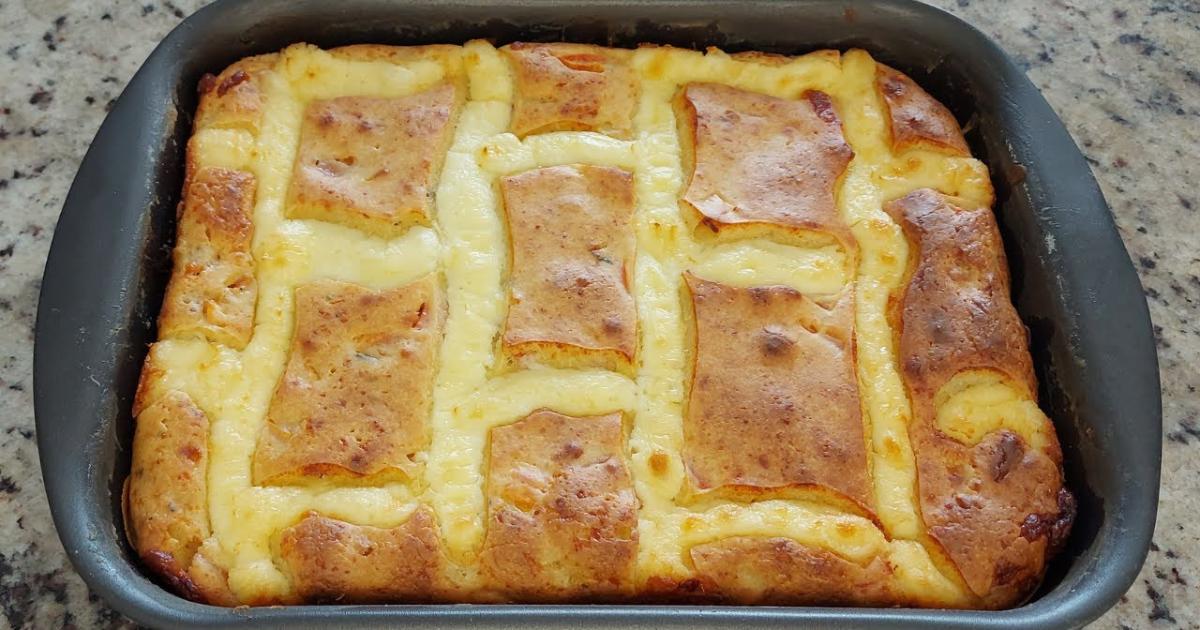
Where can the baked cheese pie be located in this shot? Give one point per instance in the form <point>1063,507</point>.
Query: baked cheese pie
<point>565,323</point>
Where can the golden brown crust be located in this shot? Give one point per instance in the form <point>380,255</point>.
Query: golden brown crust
<point>212,292</point>
<point>997,508</point>
<point>783,572</point>
<point>373,163</point>
<point>234,99</point>
<point>760,162</point>
<point>571,87</point>
<point>572,251</point>
<point>354,400</point>
<point>167,492</point>
<point>773,407</point>
<point>334,561</point>
<point>916,119</point>
<point>562,513</point>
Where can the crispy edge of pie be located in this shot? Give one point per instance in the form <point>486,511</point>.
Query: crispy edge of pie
<point>916,119</point>
<point>213,290</point>
<point>165,501</point>
<point>998,509</point>
<point>234,99</point>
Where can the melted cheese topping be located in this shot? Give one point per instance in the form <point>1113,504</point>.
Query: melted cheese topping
<point>977,402</point>
<point>468,245</point>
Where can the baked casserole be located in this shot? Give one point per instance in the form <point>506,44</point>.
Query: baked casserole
<point>558,322</point>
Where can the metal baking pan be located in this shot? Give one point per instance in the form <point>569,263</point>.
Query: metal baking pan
<point>1073,283</point>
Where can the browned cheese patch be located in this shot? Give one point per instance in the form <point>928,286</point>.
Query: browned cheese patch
<point>571,87</point>
<point>572,252</point>
<point>212,292</point>
<point>758,162</point>
<point>997,508</point>
<point>561,510</point>
<point>781,571</point>
<point>330,560</point>
<point>354,400</point>
<point>916,119</point>
<point>773,406</point>
<point>373,163</point>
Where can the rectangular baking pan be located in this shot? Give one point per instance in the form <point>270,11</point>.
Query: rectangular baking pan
<point>1073,282</point>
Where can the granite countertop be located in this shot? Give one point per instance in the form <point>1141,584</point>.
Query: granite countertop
<point>1125,80</point>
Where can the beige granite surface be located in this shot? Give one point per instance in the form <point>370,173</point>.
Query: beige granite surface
<point>1125,77</point>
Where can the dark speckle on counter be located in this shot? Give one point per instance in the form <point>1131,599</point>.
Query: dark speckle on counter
<point>1159,611</point>
<point>1186,433</point>
<point>1123,77</point>
<point>41,98</point>
<point>1143,45</point>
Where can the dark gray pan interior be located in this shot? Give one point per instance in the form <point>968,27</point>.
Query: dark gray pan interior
<point>1073,284</point>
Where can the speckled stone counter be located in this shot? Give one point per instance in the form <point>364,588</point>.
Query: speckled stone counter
<point>1125,79</point>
